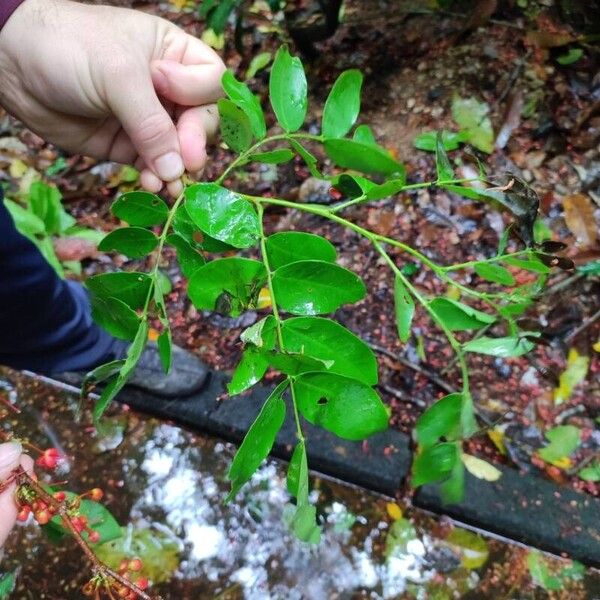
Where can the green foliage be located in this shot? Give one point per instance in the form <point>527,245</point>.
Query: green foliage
<point>324,372</point>
<point>343,104</point>
<point>42,219</point>
<point>7,585</point>
<point>99,518</point>
<point>258,441</point>
<point>472,117</point>
<point>157,550</point>
<point>288,90</point>
<point>563,439</point>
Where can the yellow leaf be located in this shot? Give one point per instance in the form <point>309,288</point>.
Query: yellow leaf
<point>394,511</point>
<point>562,463</point>
<point>215,40</point>
<point>152,334</point>
<point>573,375</point>
<point>596,346</point>
<point>17,168</point>
<point>264,298</point>
<point>497,437</point>
<point>453,293</point>
<point>481,468</point>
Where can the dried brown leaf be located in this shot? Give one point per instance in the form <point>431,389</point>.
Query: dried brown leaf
<point>579,217</point>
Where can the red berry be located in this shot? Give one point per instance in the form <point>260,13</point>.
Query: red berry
<point>96,494</point>
<point>135,565</point>
<point>24,514</point>
<point>142,583</point>
<point>94,537</point>
<point>42,517</point>
<point>60,496</point>
<point>123,566</point>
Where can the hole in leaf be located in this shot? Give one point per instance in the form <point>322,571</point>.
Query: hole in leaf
<point>322,401</point>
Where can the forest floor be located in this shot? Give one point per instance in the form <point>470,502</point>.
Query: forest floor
<point>414,65</point>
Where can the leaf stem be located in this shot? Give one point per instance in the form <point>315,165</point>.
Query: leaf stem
<point>265,259</point>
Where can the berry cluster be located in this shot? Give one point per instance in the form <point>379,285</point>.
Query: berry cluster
<point>129,570</point>
<point>29,503</point>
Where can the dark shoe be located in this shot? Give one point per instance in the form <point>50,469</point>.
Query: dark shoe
<point>187,376</point>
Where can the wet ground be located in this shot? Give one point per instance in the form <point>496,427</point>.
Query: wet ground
<point>166,486</point>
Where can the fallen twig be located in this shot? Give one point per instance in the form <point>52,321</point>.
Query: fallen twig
<point>411,365</point>
<point>569,338</point>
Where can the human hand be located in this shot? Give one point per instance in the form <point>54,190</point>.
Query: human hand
<point>11,457</point>
<point>89,78</point>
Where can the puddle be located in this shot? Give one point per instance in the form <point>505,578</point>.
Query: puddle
<point>169,484</point>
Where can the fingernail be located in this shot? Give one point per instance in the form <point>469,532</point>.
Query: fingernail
<point>169,166</point>
<point>10,454</point>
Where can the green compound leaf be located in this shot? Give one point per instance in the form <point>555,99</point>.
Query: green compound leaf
<point>405,309</point>
<point>444,169</point>
<point>502,346</point>
<point>189,259</point>
<point>274,157</point>
<point>563,439</point>
<point>472,116</point>
<point>435,463</point>
<point>292,246</point>
<point>236,129</point>
<point>363,133</point>
<point>115,316</point>
<point>494,273</point>
<point>258,441</point>
<point>347,407</point>
<point>133,242</point>
<point>367,158</point>
<point>458,316</point>
<point>288,90</point>
<point>240,94</point>
<point>342,105</point>
<point>250,370</point>
<point>140,209</point>
<point>441,419</point>
<point>327,340</point>
<point>227,285</point>
<point>129,287</point>
<point>312,287</point>
<point>222,214</point>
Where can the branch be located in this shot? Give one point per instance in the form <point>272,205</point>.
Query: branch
<point>98,567</point>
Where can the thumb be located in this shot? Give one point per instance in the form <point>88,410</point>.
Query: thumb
<point>150,128</point>
<point>10,457</point>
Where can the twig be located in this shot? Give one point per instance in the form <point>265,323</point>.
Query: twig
<point>400,396</point>
<point>564,283</point>
<point>8,404</point>
<point>98,567</point>
<point>411,365</point>
<point>454,360</point>
<point>582,327</point>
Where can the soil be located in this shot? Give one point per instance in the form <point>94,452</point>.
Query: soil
<point>414,64</point>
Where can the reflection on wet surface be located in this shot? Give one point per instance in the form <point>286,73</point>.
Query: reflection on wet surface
<point>166,485</point>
